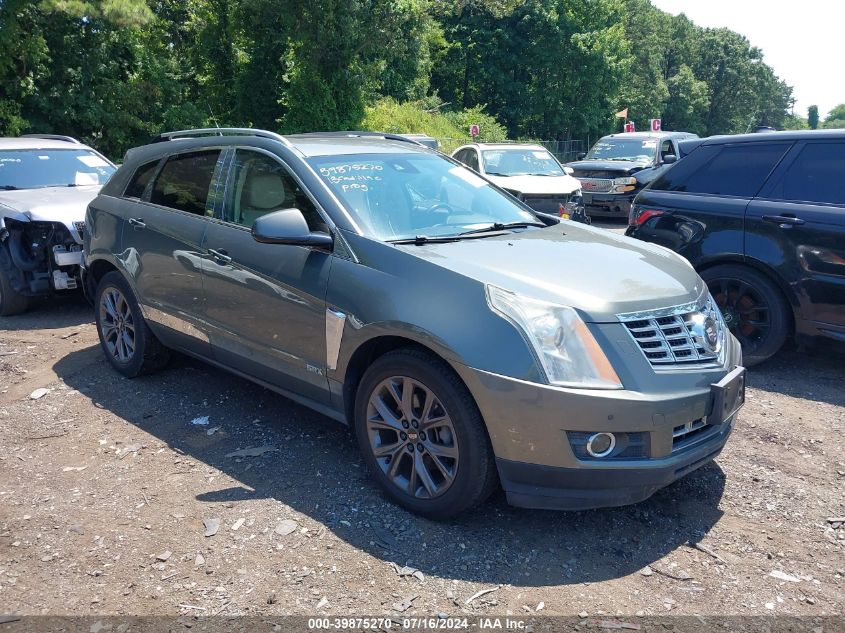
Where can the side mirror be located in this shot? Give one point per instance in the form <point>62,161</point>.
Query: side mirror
<point>580,156</point>
<point>669,159</point>
<point>288,226</point>
<point>568,170</point>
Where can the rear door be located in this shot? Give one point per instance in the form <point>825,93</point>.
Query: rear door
<point>798,223</point>
<point>266,303</point>
<point>162,240</point>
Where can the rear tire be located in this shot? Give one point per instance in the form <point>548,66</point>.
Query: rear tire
<point>422,436</point>
<point>11,301</point>
<point>753,307</point>
<point>125,338</point>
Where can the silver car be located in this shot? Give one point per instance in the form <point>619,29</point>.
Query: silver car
<point>46,182</point>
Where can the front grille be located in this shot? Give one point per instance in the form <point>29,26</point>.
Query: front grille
<point>546,203</point>
<point>80,228</point>
<point>596,185</point>
<point>682,335</point>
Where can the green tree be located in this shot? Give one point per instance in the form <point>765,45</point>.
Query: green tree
<point>835,119</point>
<point>813,117</point>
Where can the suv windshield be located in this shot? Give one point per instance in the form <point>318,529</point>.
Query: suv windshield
<point>37,168</point>
<point>520,162</point>
<point>637,150</point>
<point>406,195</point>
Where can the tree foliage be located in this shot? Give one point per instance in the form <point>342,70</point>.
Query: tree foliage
<point>115,72</point>
<point>813,117</point>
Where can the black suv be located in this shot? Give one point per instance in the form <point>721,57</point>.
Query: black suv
<point>762,218</point>
<point>619,166</point>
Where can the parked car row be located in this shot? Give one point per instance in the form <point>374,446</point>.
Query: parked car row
<point>444,307</point>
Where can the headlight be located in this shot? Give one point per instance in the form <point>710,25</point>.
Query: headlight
<point>567,351</point>
<point>624,185</point>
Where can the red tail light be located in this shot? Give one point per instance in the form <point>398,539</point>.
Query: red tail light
<point>640,216</point>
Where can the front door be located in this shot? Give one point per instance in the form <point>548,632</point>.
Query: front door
<point>799,221</point>
<point>162,239</point>
<point>266,303</point>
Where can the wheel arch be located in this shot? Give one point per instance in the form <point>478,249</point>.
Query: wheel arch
<point>768,272</point>
<point>371,349</point>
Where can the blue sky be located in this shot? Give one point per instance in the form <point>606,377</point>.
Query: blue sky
<point>803,41</point>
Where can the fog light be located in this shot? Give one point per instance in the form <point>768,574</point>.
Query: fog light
<point>601,444</point>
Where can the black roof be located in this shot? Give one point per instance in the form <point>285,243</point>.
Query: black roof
<point>787,135</point>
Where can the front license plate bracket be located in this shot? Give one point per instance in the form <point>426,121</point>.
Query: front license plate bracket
<point>728,396</point>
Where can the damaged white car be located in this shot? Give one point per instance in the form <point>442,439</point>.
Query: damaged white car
<point>46,183</point>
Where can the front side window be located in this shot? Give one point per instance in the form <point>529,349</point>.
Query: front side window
<point>816,175</point>
<point>520,162</point>
<point>184,181</point>
<point>404,195</point>
<point>39,168</point>
<point>623,149</point>
<point>259,185</point>
<point>730,170</point>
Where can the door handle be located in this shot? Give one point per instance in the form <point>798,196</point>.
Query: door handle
<point>220,256</point>
<point>790,220</point>
<point>138,223</point>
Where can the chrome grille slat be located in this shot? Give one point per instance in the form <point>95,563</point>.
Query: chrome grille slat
<point>674,336</point>
<point>596,185</point>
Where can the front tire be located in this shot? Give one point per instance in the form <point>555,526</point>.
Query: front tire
<point>125,338</point>
<point>753,307</point>
<point>11,301</point>
<point>422,436</point>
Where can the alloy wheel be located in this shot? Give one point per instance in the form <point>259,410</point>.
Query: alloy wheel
<point>412,437</point>
<point>117,325</point>
<point>745,311</point>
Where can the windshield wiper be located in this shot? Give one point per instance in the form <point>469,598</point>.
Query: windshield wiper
<point>496,173</point>
<point>498,226</point>
<point>9,187</point>
<point>425,239</point>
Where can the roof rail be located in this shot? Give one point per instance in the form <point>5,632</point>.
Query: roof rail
<point>52,137</point>
<point>222,131</point>
<point>363,134</point>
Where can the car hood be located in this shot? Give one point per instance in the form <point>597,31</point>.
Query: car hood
<point>50,204</point>
<point>622,166</point>
<point>599,273</point>
<point>537,184</point>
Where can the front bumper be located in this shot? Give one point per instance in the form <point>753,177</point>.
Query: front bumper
<point>609,204</point>
<point>550,488</point>
<point>533,427</point>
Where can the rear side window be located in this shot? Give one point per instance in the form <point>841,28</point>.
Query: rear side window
<point>816,175</point>
<point>139,182</point>
<point>728,170</point>
<point>184,181</point>
<point>472,159</point>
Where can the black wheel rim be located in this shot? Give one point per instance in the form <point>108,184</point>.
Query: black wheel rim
<point>746,312</point>
<point>412,437</point>
<point>117,325</point>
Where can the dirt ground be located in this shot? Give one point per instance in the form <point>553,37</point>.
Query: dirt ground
<point>105,485</point>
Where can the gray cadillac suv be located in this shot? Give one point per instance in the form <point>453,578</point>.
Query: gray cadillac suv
<point>467,339</point>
